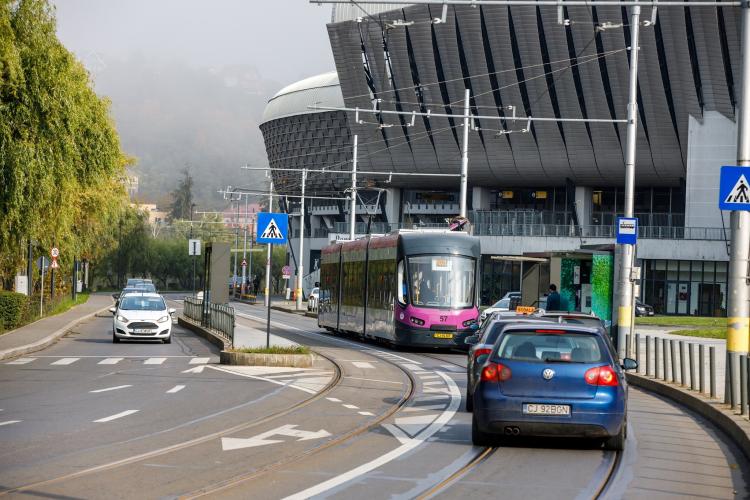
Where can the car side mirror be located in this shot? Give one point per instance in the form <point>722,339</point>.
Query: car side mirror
<point>172,310</point>
<point>471,340</point>
<point>474,326</point>
<point>629,364</point>
<point>113,310</point>
<point>115,296</point>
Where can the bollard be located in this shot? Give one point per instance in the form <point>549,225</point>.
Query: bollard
<point>729,382</point>
<point>712,370</point>
<point>664,350</point>
<point>672,360</point>
<point>691,360</point>
<point>681,345</point>
<point>638,350</point>
<point>743,384</point>
<point>657,361</point>
<point>702,367</point>
<point>648,356</point>
<point>627,346</point>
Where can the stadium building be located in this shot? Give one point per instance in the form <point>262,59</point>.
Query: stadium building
<point>551,187</point>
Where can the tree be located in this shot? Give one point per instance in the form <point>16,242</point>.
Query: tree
<point>182,197</point>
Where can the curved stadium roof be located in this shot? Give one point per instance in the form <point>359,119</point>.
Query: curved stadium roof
<point>294,99</point>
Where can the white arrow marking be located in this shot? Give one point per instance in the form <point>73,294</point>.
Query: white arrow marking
<point>261,439</point>
<point>197,369</point>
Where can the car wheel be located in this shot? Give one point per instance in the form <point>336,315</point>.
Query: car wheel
<point>168,340</point>
<point>469,401</point>
<point>115,338</point>
<point>617,442</point>
<point>478,437</point>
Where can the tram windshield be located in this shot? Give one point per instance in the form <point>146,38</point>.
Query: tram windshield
<point>442,281</point>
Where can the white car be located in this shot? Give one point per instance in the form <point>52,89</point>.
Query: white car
<point>142,316</point>
<point>500,305</point>
<point>312,299</point>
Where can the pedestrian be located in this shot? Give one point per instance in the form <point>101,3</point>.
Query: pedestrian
<point>553,299</point>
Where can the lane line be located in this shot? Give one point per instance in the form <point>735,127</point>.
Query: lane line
<point>116,416</point>
<point>363,364</point>
<point>111,388</point>
<point>199,361</point>
<point>8,422</point>
<point>376,380</point>
<point>154,361</point>
<point>109,361</point>
<point>241,374</point>
<point>434,382</point>
<point>21,361</point>
<point>407,445</point>
<point>65,361</point>
<point>366,413</point>
<point>334,400</point>
<point>351,407</point>
<point>175,389</point>
<point>424,408</point>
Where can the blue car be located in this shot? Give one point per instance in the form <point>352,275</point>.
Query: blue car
<point>545,379</point>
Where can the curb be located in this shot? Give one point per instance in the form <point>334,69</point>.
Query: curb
<point>49,339</point>
<point>258,359</point>
<point>202,332</point>
<point>737,428</point>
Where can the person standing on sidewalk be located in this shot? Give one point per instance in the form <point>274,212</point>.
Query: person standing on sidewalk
<point>553,299</point>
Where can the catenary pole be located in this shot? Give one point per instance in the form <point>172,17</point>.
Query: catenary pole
<point>627,254</point>
<point>301,260</point>
<point>465,156</point>
<point>738,308</point>
<point>353,209</point>
<point>244,253</point>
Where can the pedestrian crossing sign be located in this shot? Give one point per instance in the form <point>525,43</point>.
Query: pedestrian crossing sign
<point>272,228</point>
<point>734,188</point>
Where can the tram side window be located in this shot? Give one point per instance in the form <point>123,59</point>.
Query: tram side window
<point>402,291</point>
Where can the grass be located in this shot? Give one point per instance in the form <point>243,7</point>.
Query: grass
<point>711,333</point>
<point>274,349</point>
<point>67,303</point>
<point>694,321</point>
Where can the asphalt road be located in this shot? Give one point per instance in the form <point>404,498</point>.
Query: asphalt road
<point>86,418</point>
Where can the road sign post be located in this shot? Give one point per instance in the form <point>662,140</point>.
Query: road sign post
<point>272,228</point>
<point>194,249</point>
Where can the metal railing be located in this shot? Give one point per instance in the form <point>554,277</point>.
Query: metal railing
<point>218,318</point>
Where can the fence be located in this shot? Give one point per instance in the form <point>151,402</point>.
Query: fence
<point>218,318</point>
<point>695,366</point>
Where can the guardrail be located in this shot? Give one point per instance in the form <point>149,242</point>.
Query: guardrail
<point>694,366</point>
<point>217,317</point>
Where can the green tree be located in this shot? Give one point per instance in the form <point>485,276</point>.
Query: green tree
<point>182,197</point>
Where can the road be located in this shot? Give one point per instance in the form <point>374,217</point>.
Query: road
<point>87,418</point>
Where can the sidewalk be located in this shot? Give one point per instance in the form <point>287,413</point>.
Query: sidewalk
<point>44,332</point>
<point>245,336</point>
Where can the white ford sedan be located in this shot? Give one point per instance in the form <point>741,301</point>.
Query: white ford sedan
<point>142,316</point>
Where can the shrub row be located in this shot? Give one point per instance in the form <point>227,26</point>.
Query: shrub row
<point>13,307</point>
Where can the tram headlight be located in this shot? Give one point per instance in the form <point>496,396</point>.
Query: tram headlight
<point>417,321</point>
<point>469,322</point>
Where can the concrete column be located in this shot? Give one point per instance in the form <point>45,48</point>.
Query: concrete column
<point>392,205</point>
<point>480,198</point>
<point>584,204</point>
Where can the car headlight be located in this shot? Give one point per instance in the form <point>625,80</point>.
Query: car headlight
<point>121,318</point>
<point>163,319</point>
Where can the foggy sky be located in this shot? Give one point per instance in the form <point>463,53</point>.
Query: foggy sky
<point>286,40</point>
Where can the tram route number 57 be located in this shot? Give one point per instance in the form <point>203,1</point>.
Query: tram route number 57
<point>443,319</point>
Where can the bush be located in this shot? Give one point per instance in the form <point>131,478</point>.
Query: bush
<point>13,307</point>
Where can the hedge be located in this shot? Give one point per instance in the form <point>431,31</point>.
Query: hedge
<point>12,309</point>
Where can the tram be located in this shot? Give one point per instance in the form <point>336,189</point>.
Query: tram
<point>407,288</point>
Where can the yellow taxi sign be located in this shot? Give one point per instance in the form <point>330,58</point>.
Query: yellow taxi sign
<point>525,309</point>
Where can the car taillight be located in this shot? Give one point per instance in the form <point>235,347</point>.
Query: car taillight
<point>495,372</point>
<point>601,375</point>
<point>481,352</point>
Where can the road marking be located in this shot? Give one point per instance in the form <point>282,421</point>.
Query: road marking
<point>366,413</point>
<point>198,361</point>
<point>432,398</point>
<point>21,361</point>
<point>65,361</point>
<point>363,364</point>
<point>434,382</point>
<point>412,367</point>
<point>451,368</point>
<point>428,377</point>
<point>176,388</point>
<point>111,388</point>
<point>407,444</point>
<point>109,361</point>
<point>8,422</point>
<point>334,400</point>
<point>424,408</point>
<point>351,407</point>
<point>261,439</point>
<point>238,370</point>
<point>154,361</point>
<point>375,380</point>
<point>197,369</point>
<point>116,416</point>
<point>412,425</point>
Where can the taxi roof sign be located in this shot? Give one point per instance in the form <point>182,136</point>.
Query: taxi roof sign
<point>526,309</point>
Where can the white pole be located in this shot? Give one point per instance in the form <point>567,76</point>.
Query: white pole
<point>465,156</point>
<point>353,209</point>
<point>300,258</point>
<point>268,259</point>
<point>625,299</point>
<point>41,294</point>
<point>244,254</point>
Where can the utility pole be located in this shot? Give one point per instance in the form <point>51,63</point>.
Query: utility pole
<point>465,156</point>
<point>268,260</point>
<point>192,208</point>
<point>301,261</point>
<point>738,308</point>
<point>244,253</point>
<point>353,209</point>
<point>236,245</point>
<point>627,254</point>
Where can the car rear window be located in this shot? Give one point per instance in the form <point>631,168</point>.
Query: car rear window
<point>543,346</point>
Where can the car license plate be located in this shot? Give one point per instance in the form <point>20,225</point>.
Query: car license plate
<point>443,335</point>
<point>141,330</point>
<point>546,409</point>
